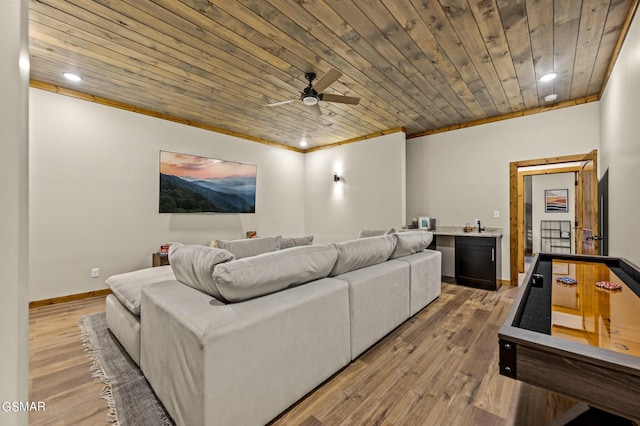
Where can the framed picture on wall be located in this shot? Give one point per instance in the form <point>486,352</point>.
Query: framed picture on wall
<point>556,200</point>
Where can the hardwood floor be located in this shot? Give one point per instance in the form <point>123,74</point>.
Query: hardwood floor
<point>438,368</point>
<point>59,369</point>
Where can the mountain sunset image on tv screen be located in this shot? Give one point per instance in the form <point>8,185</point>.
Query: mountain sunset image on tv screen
<point>193,184</point>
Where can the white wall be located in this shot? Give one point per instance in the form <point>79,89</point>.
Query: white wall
<point>464,174</point>
<point>94,176</point>
<point>371,195</point>
<point>539,184</point>
<point>14,82</point>
<point>94,191</point>
<point>620,147</point>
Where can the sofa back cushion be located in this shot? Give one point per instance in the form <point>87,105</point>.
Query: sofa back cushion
<point>366,233</point>
<point>250,246</point>
<point>362,252</point>
<point>267,273</point>
<point>193,266</point>
<point>288,242</point>
<point>411,242</point>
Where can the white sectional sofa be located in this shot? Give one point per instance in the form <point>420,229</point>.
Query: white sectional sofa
<point>226,341</point>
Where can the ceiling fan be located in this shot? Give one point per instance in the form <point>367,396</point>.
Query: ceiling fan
<point>311,95</point>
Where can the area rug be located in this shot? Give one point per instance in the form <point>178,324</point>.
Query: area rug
<point>129,396</point>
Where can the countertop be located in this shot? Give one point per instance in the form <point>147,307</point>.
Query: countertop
<point>459,230</point>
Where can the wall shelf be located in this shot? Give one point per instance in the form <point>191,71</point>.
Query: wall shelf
<point>555,236</point>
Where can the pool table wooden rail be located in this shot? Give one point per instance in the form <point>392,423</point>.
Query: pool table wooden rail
<point>599,377</point>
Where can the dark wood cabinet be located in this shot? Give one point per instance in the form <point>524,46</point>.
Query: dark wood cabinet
<point>433,244</point>
<point>477,262</point>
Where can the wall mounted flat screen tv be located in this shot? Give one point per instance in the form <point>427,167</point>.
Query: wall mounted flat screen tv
<point>193,184</point>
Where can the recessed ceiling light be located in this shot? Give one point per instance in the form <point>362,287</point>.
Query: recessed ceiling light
<point>303,143</point>
<point>548,77</point>
<point>550,98</point>
<point>71,76</point>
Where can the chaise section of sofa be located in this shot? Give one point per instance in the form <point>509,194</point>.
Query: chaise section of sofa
<point>242,363</point>
<point>123,306</point>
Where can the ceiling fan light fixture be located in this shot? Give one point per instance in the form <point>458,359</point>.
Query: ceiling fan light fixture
<point>309,96</point>
<point>312,95</point>
<point>310,100</point>
<point>548,77</point>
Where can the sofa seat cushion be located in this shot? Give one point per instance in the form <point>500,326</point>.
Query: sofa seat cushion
<point>410,242</point>
<point>127,287</point>
<point>378,302</point>
<point>363,252</point>
<point>425,278</point>
<point>244,279</point>
<point>193,266</point>
<point>125,326</point>
<point>250,246</point>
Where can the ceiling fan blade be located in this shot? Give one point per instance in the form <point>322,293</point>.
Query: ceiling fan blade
<point>315,110</point>
<point>281,103</point>
<point>351,100</point>
<point>327,80</point>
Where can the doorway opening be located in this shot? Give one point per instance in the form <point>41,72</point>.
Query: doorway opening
<point>584,167</point>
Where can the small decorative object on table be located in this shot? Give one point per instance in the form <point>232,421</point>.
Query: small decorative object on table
<point>161,257</point>
<point>566,280</point>
<point>608,285</point>
<point>251,234</point>
<point>467,228</point>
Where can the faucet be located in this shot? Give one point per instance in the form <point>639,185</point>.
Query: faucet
<point>480,228</point>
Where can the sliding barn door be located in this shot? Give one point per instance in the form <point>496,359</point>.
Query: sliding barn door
<point>587,208</point>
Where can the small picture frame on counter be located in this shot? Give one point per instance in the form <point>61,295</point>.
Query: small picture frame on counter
<point>427,223</point>
<point>423,222</point>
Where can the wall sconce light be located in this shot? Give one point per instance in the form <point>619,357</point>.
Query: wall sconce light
<point>336,178</point>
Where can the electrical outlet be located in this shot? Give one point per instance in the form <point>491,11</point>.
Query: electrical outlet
<point>95,272</point>
<point>476,222</point>
<point>496,214</point>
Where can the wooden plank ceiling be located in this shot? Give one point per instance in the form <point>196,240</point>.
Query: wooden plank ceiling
<point>419,64</point>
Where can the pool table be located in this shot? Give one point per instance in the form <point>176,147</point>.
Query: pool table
<point>568,335</point>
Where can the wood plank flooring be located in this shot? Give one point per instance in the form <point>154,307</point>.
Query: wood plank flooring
<point>59,369</point>
<point>438,368</point>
